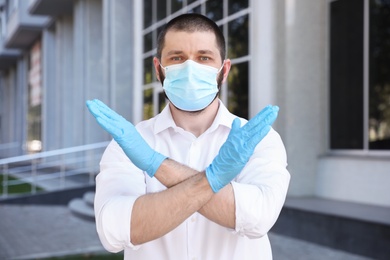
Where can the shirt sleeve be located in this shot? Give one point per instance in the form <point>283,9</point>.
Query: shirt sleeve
<point>261,188</point>
<point>118,185</point>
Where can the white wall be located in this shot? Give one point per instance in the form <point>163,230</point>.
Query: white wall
<point>73,72</point>
<point>305,88</point>
<point>119,61</point>
<point>355,179</point>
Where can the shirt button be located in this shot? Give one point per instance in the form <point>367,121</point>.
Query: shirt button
<point>193,219</point>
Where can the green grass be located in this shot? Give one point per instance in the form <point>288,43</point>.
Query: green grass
<point>16,189</point>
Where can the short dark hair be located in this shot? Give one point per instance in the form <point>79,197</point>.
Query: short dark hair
<point>192,22</point>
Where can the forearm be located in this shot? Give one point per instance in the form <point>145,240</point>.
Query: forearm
<point>156,214</point>
<point>220,209</point>
<point>170,173</point>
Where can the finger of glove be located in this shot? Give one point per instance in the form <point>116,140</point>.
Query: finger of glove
<point>261,130</point>
<point>269,120</point>
<point>93,109</point>
<point>96,110</point>
<point>236,124</point>
<point>113,126</point>
<point>261,117</point>
<point>256,129</point>
<point>110,127</point>
<point>256,139</point>
<point>106,111</point>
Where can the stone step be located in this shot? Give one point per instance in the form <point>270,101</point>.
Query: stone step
<point>89,197</point>
<point>82,209</point>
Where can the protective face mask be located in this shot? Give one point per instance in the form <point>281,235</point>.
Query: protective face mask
<point>190,86</point>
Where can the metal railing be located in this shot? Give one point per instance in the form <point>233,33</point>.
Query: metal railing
<point>52,170</point>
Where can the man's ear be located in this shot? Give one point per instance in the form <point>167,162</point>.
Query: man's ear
<point>156,64</point>
<point>226,68</point>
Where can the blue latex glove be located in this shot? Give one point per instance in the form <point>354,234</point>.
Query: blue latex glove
<point>128,138</point>
<point>239,147</point>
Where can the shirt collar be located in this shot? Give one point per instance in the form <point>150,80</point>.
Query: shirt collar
<point>165,120</point>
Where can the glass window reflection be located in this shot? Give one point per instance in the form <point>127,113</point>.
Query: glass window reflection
<point>161,101</point>
<point>346,75</point>
<point>214,10</point>
<point>379,86</point>
<point>148,70</point>
<point>196,9</point>
<point>148,41</point>
<point>147,13</point>
<point>235,6</point>
<point>238,38</point>
<point>148,103</point>
<point>238,89</point>
<point>176,5</point>
<point>161,9</point>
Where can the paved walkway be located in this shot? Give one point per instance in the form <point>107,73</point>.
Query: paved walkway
<point>38,232</point>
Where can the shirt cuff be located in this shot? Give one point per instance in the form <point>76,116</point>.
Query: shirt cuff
<point>113,224</point>
<point>248,216</point>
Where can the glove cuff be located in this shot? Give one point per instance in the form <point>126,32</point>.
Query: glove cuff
<point>214,184</point>
<point>156,160</point>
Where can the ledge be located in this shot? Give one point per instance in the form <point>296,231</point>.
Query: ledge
<point>351,227</point>
<point>364,212</point>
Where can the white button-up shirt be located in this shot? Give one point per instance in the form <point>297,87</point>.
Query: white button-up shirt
<point>259,192</point>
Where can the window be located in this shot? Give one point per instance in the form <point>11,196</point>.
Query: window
<point>360,74</point>
<point>233,18</point>
<point>34,117</point>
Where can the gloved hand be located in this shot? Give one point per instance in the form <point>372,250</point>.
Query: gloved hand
<point>239,147</point>
<point>128,138</point>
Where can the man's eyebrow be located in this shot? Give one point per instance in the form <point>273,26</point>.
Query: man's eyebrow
<point>174,52</point>
<point>205,52</point>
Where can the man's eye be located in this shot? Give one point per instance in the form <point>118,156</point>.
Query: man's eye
<point>204,58</point>
<point>176,58</point>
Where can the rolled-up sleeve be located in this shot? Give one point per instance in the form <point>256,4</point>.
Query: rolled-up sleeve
<point>261,188</point>
<point>118,185</point>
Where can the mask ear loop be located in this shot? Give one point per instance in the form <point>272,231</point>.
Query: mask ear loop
<point>161,65</point>
<point>220,69</point>
<point>164,69</point>
<point>223,64</point>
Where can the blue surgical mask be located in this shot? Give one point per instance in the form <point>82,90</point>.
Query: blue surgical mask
<point>190,86</point>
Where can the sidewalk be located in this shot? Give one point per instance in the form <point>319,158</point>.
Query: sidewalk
<point>37,232</point>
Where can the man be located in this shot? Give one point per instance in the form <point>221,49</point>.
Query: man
<point>194,182</point>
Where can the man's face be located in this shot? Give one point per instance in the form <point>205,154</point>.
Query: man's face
<point>200,47</point>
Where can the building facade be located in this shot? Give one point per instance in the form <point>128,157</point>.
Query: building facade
<point>325,63</point>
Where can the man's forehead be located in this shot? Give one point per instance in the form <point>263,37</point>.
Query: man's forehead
<point>172,33</point>
<point>204,41</point>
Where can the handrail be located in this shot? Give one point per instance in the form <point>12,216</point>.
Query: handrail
<point>35,173</point>
<point>63,151</point>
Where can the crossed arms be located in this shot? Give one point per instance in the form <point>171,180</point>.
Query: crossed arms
<point>208,192</point>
